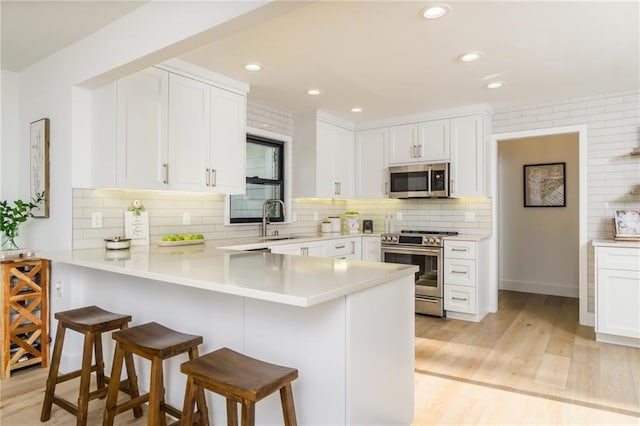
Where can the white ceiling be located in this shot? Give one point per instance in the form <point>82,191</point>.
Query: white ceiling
<point>387,59</point>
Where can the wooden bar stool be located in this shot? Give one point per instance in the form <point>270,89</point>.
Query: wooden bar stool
<point>240,379</point>
<point>91,321</point>
<point>155,343</point>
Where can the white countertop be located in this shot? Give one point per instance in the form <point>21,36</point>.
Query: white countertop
<point>614,243</point>
<point>292,280</point>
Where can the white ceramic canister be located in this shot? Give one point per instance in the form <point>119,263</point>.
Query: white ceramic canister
<point>326,226</point>
<point>336,223</point>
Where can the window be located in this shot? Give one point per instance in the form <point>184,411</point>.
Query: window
<point>265,180</point>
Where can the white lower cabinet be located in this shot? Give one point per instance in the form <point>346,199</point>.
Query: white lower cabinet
<point>465,279</point>
<point>339,248</point>
<point>344,248</point>
<point>371,248</point>
<point>314,249</point>
<point>617,288</point>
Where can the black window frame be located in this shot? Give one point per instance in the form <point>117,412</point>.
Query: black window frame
<point>279,145</point>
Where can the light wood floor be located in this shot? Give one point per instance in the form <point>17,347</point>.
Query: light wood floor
<point>530,363</point>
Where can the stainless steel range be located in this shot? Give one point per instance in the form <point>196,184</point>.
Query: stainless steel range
<point>423,249</point>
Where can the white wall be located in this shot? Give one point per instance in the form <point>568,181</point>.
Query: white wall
<point>117,49</point>
<point>9,141</point>
<point>538,245</point>
<point>612,122</point>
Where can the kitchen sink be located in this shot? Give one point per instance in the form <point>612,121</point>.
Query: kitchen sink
<point>278,238</point>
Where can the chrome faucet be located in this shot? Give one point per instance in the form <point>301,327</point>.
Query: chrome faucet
<point>265,217</point>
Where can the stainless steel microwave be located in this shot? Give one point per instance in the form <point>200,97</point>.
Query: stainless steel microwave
<point>419,181</point>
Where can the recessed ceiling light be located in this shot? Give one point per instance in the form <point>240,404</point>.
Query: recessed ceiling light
<point>435,11</point>
<point>469,56</point>
<point>253,67</point>
<point>313,92</point>
<point>495,85</point>
<point>356,109</point>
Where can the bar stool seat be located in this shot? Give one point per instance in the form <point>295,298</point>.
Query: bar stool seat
<point>91,321</point>
<point>156,343</point>
<point>240,379</point>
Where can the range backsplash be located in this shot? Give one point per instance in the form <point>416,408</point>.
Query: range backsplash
<point>207,215</point>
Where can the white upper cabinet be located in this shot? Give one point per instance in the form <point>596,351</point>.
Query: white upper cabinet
<point>425,142</point>
<point>467,157</point>
<point>189,121</point>
<point>180,133</point>
<point>403,142</point>
<point>433,141</point>
<point>372,178</point>
<point>325,158</point>
<point>142,130</point>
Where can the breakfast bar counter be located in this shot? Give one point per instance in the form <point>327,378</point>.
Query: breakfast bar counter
<point>347,326</point>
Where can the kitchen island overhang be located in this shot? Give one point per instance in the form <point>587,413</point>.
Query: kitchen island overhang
<point>348,326</point>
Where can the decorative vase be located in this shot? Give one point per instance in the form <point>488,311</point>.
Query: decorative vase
<point>9,243</point>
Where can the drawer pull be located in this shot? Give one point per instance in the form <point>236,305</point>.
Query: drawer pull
<point>459,272</point>
<point>459,249</point>
<point>339,247</point>
<point>459,298</point>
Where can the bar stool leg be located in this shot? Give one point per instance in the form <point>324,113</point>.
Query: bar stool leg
<point>232,413</point>
<point>288,409</point>
<point>53,374</point>
<point>85,379</point>
<point>100,378</point>
<point>189,402</point>
<point>112,394</point>
<point>132,382</point>
<point>248,413</point>
<point>155,417</point>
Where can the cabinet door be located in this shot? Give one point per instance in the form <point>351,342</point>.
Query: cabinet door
<point>467,157</point>
<point>372,163</point>
<point>402,144</point>
<point>618,302</point>
<point>189,119</point>
<point>433,141</point>
<point>325,183</point>
<point>344,163</point>
<point>460,299</point>
<point>228,142</point>
<point>142,100</point>
<point>371,248</point>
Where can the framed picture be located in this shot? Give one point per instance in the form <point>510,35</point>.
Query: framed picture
<point>627,224</point>
<point>39,159</point>
<point>544,185</point>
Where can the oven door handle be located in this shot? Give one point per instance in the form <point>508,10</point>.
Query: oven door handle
<point>410,250</point>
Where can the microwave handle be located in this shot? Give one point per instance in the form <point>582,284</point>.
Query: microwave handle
<point>429,180</point>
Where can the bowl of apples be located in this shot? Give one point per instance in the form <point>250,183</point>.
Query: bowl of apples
<point>181,240</point>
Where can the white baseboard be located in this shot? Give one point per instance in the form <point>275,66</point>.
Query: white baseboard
<point>540,288</point>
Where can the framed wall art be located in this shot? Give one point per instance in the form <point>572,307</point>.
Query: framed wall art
<point>544,185</point>
<point>39,164</point>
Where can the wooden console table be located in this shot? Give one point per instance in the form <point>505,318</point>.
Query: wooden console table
<point>25,314</point>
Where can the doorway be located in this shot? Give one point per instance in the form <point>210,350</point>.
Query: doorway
<point>547,252</point>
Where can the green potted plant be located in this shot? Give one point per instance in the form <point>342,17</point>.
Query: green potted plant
<point>12,215</point>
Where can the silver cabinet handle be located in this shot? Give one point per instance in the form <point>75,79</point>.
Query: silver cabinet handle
<point>353,247</point>
<point>207,177</point>
<point>459,272</point>
<point>339,247</point>
<point>165,166</point>
<point>337,188</point>
<point>459,249</point>
<point>386,188</point>
<point>419,151</point>
<point>304,251</point>
<point>214,177</point>
<point>459,298</point>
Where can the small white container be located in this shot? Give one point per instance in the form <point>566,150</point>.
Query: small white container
<point>117,243</point>
<point>336,223</point>
<point>326,227</point>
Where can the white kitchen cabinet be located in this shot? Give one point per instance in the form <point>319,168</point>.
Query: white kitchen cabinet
<point>344,248</point>
<point>617,291</point>
<point>424,142</point>
<point>142,129</point>
<point>433,141</point>
<point>179,132</point>
<point>372,163</point>
<point>467,157</point>
<point>371,248</point>
<point>312,248</point>
<point>465,278</point>
<point>325,152</point>
<point>403,144</point>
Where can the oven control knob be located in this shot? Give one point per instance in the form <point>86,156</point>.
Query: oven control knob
<point>395,238</point>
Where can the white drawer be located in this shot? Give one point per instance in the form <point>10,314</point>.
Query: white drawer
<point>459,249</point>
<point>619,258</point>
<point>460,299</point>
<point>460,272</point>
<point>341,248</point>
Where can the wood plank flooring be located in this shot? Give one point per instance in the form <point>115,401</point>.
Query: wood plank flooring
<point>530,363</point>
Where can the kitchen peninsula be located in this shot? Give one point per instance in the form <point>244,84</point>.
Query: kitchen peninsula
<point>347,326</point>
